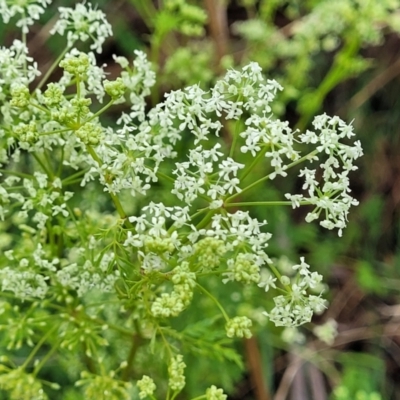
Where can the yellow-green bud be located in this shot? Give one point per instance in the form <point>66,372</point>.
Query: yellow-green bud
<point>115,89</point>
<point>20,95</point>
<point>90,133</point>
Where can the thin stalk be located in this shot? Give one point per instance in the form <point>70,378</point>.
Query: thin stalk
<point>136,343</point>
<point>15,173</point>
<point>163,176</point>
<point>39,107</point>
<point>74,176</point>
<point>44,167</point>
<point>218,304</point>
<point>113,196</point>
<point>146,10</point>
<point>205,220</point>
<point>60,165</point>
<point>53,67</point>
<point>254,162</point>
<point>106,107</point>
<point>54,132</point>
<point>235,139</point>
<point>24,42</point>
<point>279,276</point>
<point>294,163</point>
<point>265,203</point>
<point>167,345</point>
<point>45,358</point>
<point>38,346</point>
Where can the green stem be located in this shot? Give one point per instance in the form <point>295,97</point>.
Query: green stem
<point>113,196</point>
<point>38,346</point>
<point>136,343</point>
<point>60,165</point>
<point>41,108</point>
<point>174,395</point>
<point>279,276</point>
<point>74,176</point>
<point>339,71</point>
<point>235,138</point>
<point>106,107</point>
<point>294,163</point>
<point>265,203</point>
<point>166,177</point>
<point>219,272</point>
<point>218,304</point>
<point>44,167</point>
<point>94,155</point>
<point>207,218</point>
<point>24,42</point>
<point>146,10</point>
<point>53,67</point>
<point>254,162</point>
<point>155,44</point>
<point>15,173</point>
<point>165,342</point>
<point>54,132</point>
<point>43,361</point>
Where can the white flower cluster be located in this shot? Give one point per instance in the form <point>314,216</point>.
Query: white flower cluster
<point>208,172</point>
<point>331,197</point>
<point>84,278</point>
<point>27,11</point>
<point>297,307</point>
<point>62,249</point>
<point>83,23</point>
<point>16,68</point>
<point>138,82</point>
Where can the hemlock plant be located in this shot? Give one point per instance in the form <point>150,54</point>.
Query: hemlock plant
<point>78,280</point>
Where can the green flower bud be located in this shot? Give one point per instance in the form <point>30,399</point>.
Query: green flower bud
<point>115,89</point>
<point>77,66</point>
<point>90,133</point>
<point>146,386</point>
<point>53,95</point>
<point>20,95</point>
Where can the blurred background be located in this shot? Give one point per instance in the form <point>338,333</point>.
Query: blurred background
<point>341,57</point>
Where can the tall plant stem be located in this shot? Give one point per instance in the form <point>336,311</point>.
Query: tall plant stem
<point>114,197</point>
<point>53,67</point>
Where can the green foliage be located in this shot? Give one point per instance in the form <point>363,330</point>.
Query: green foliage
<point>363,376</point>
<point>312,48</point>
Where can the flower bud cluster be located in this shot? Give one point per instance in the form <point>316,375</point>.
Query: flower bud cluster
<point>213,393</point>
<point>239,327</point>
<point>104,386</point>
<point>146,386</point>
<point>209,252</point>
<point>243,269</point>
<point>83,23</point>
<point>172,304</point>
<point>76,65</point>
<point>176,373</point>
<point>20,95</point>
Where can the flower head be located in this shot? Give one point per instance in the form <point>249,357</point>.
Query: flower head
<point>83,23</point>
